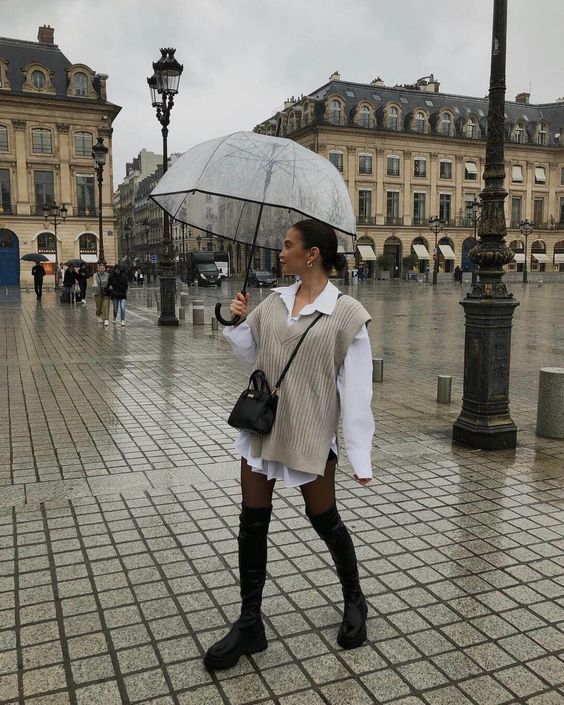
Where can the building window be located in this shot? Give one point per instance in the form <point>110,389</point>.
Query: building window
<point>335,112</point>
<point>540,175</point>
<point>515,211</point>
<point>562,176</point>
<point>85,195</point>
<point>38,79</point>
<point>446,124</point>
<point>470,171</point>
<point>5,194</point>
<point>365,116</point>
<point>393,165</point>
<point>518,134</point>
<point>444,207</point>
<point>538,211</point>
<point>46,243</point>
<point>44,183</point>
<point>419,123</point>
<point>3,138</point>
<point>541,135</point>
<point>41,141</point>
<point>88,244</point>
<point>364,204</point>
<point>80,84</point>
<point>393,118</point>
<point>445,170</point>
<point>470,129</point>
<point>561,210</point>
<point>365,164</point>
<point>336,158</point>
<point>392,206</point>
<point>517,173</point>
<point>420,168</point>
<point>419,208</point>
<point>83,144</point>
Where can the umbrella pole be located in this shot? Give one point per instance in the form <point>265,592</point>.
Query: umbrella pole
<point>236,319</point>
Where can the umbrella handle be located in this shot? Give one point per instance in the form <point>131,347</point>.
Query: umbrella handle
<point>224,321</point>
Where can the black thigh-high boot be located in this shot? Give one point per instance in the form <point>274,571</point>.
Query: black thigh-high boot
<point>247,634</point>
<point>335,534</point>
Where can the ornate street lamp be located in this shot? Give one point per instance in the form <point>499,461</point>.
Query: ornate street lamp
<point>145,224</point>
<point>163,86</point>
<point>55,214</point>
<point>484,421</point>
<point>127,232</point>
<point>473,209</point>
<point>436,227</point>
<point>99,154</point>
<point>526,228</point>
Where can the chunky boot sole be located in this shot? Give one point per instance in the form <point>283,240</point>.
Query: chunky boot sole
<point>348,643</point>
<point>221,663</point>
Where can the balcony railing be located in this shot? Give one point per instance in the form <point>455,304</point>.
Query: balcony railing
<point>85,211</point>
<point>419,220</point>
<point>365,220</point>
<point>365,170</point>
<point>393,220</point>
<point>6,209</point>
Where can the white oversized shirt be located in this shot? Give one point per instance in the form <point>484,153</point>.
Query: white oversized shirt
<point>354,386</point>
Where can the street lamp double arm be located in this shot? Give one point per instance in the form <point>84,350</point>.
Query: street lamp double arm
<point>474,208</point>
<point>163,85</point>
<point>436,227</point>
<point>99,154</point>
<point>526,228</point>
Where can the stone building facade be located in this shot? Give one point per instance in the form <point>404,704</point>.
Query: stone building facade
<point>409,153</point>
<point>51,113</point>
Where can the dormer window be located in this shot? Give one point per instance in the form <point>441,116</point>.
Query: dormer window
<point>541,135</point>
<point>365,116</point>
<point>419,123</point>
<point>446,124</point>
<point>518,134</point>
<point>38,79</point>
<point>393,118</point>
<point>80,84</point>
<point>335,112</point>
<point>470,129</point>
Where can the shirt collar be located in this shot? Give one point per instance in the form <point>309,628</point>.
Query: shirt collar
<point>324,303</point>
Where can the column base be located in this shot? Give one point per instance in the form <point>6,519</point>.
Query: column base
<point>168,321</point>
<point>491,437</point>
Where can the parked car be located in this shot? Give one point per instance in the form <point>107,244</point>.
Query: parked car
<point>263,279</point>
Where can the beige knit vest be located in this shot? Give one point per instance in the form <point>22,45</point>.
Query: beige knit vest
<point>308,407</point>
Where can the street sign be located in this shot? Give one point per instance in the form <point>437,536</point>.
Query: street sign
<point>153,259</point>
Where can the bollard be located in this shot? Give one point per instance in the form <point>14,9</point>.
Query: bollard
<point>158,305</point>
<point>377,369</point>
<point>184,300</point>
<point>181,314</point>
<point>198,312</point>
<point>444,386</point>
<point>149,301</point>
<point>214,323</point>
<point>550,409</point>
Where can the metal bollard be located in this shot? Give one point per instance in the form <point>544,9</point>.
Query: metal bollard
<point>444,387</point>
<point>184,300</point>
<point>377,369</point>
<point>158,305</point>
<point>181,314</point>
<point>149,301</point>
<point>198,312</point>
<point>214,323</point>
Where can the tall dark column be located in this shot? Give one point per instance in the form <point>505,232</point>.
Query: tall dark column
<point>484,421</point>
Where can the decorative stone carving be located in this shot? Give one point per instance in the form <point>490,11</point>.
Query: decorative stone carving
<point>351,150</point>
<point>105,132</point>
<point>321,147</point>
<point>458,159</point>
<point>434,155</point>
<point>63,128</point>
<point>19,124</point>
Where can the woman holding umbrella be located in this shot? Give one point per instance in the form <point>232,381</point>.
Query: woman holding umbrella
<point>330,375</point>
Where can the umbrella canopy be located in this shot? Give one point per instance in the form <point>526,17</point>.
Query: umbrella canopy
<point>35,257</point>
<point>75,263</point>
<point>227,185</point>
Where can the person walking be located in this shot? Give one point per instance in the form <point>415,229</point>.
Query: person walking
<point>38,272</point>
<point>102,294</point>
<point>331,375</point>
<point>81,278</point>
<point>61,275</point>
<point>118,285</point>
<point>69,281</point>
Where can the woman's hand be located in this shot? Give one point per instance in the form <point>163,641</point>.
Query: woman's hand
<point>362,480</point>
<point>239,306</point>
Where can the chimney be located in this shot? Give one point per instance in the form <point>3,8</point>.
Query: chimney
<point>335,76</point>
<point>522,97</point>
<point>46,34</point>
<point>377,82</point>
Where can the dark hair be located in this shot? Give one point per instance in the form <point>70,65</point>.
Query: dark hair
<point>317,234</point>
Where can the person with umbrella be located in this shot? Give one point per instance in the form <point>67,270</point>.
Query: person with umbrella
<point>331,374</point>
<point>38,272</point>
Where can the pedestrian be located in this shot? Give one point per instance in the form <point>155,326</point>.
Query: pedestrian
<point>140,277</point>
<point>118,285</point>
<point>102,294</point>
<point>82,277</point>
<point>330,376</point>
<point>38,272</point>
<point>61,275</point>
<point>69,281</point>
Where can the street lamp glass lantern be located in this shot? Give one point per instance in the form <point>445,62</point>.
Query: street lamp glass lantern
<point>152,81</point>
<point>99,152</point>
<point>46,210</point>
<point>167,72</point>
<point>63,211</point>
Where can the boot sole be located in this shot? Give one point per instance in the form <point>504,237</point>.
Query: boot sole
<point>348,644</point>
<point>221,664</point>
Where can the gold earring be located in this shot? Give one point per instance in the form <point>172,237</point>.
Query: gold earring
<point>309,264</point>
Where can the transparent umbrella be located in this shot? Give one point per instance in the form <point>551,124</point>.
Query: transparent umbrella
<point>251,188</point>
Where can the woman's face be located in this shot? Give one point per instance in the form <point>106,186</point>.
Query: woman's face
<point>294,255</point>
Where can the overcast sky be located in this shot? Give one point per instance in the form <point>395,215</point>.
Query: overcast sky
<point>243,58</point>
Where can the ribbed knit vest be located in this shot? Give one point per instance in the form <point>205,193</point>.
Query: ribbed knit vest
<point>308,406</point>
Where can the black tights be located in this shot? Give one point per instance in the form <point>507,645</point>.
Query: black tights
<point>319,495</point>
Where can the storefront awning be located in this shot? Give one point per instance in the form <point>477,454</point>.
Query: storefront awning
<point>448,252</point>
<point>517,172</point>
<point>519,257</point>
<point>540,257</point>
<point>540,174</point>
<point>50,257</point>
<point>366,252</point>
<point>89,258</point>
<point>421,252</point>
<point>471,167</point>
<point>559,258</point>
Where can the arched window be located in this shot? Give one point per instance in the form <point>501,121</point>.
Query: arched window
<point>541,134</point>
<point>365,116</point>
<point>88,244</point>
<point>393,118</point>
<point>3,138</point>
<point>41,141</point>
<point>38,79</point>
<point>470,129</point>
<point>335,112</point>
<point>419,122</point>
<point>46,242</point>
<point>446,124</point>
<point>518,133</point>
<point>80,84</point>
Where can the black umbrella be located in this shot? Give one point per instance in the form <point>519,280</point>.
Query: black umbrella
<point>35,257</point>
<point>75,262</point>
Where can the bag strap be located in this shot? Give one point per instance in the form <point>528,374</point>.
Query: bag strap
<point>293,355</point>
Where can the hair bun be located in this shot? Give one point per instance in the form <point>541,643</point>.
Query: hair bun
<point>340,261</point>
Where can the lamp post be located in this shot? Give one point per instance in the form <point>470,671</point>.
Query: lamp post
<point>484,421</point>
<point>99,153</point>
<point>526,229</point>
<point>54,214</point>
<point>145,223</point>
<point>163,85</point>
<point>474,208</point>
<point>436,227</point>
<point>127,233</point>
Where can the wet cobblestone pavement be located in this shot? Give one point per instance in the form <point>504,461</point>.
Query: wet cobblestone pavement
<point>118,516</point>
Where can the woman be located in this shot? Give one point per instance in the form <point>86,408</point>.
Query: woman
<point>332,369</point>
<point>69,280</point>
<point>101,294</point>
<point>82,277</point>
<point>118,285</point>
